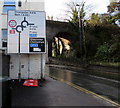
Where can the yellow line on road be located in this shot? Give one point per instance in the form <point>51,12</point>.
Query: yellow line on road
<point>86,91</point>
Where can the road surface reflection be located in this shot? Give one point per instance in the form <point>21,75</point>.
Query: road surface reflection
<point>92,83</point>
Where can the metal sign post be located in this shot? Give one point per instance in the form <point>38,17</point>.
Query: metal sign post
<point>28,66</point>
<point>41,67</point>
<point>19,74</point>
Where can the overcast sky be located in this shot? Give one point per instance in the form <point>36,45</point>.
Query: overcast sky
<point>57,8</point>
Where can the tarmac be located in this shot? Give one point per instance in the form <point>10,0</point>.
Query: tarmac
<point>52,92</point>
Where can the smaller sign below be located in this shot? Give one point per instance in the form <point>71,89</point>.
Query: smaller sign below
<point>37,45</point>
<point>37,49</point>
<point>12,31</point>
<point>31,82</point>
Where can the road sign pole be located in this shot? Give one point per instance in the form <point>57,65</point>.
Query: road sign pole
<point>28,66</point>
<point>41,67</point>
<point>19,74</point>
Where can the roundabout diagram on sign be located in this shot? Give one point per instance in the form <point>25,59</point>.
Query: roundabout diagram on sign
<point>12,23</point>
<point>23,25</point>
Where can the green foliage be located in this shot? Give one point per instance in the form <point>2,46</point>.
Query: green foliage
<point>95,20</point>
<point>75,29</point>
<point>114,52</point>
<point>82,11</point>
<point>74,14</point>
<point>112,6</point>
<point>102,36</point>
<point>102,52</point>
<point>114,48</point>
<point>109,53</point>
<point>74,18</point>
<point>115,17</point>
<point>102,39</point>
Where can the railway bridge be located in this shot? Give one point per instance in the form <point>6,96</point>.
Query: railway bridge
<point>56,29</point>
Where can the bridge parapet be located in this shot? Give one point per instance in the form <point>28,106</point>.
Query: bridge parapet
<point>55,27</point>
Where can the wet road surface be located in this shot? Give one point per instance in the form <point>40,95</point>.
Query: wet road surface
<point>98,85</point>
<point>52,93</point>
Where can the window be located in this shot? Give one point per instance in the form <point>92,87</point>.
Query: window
<point>4,34</point>
<point>4,37</point>
<point>9,5</point>
<point>4,44</point>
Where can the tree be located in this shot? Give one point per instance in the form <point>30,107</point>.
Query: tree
<point>94,20</point>
<point>74,25</point>
<point>101,35</point>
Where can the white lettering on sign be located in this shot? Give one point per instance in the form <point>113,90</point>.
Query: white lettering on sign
<point>37,49</point>
<point>25,13</point>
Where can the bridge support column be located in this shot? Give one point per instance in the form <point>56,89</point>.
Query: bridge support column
<point>49,47</point>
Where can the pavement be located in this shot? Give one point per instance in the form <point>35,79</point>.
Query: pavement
<point>52,92</point>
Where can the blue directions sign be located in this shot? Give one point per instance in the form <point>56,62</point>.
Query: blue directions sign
<point>32,35</point>
<point>34,45</point>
